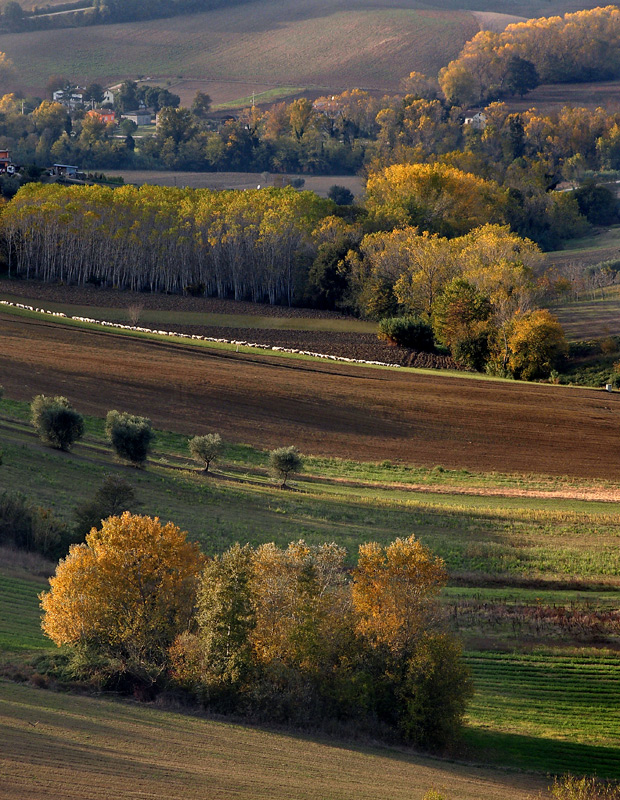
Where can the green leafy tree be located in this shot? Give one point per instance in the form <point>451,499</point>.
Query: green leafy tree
<point>176,124</point>
<point>341,195</point>
<point>522,76</point>
<point>126,98</point>
<point>409,331</point>
<point>55,421</point>
<point>328,277</point>
<point>285,461</point>
<point>461,322</point>
<point>206,448</point>
<point>201,105</point>
<point>94,92</point>
<point>113,497</point>
<point>217,661</point>
<point>131,436</point>
<point>598,204</point>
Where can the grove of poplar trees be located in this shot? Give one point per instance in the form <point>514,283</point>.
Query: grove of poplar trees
<point>228,243</point>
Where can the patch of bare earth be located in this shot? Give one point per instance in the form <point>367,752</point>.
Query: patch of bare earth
<point>325,409</point>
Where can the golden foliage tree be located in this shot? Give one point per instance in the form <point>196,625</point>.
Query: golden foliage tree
<point>536,343</point>
<point>125,593</point>
<point>434,197</point>
<point>393,592</point>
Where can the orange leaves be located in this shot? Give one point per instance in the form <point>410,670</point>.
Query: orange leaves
<point>393,591</point>
<point>128,590</point>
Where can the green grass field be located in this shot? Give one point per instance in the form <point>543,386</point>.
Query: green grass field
<point>547,712</point>
<point>551,538</point>
<point>541,704</point>
<point>20,621</point>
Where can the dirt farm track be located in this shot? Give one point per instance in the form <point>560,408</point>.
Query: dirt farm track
<point>323,408</point>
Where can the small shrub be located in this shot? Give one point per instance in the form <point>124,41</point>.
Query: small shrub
<point>32,528</point>
<point>206,448</point>
<point>131,436</point>
<point>609,345</point>
<point>411,332</point>
<point>285,461</point>
<point>56,423</point>
<point>134,312</point>
<point>114,496</point>
<point>340,195</point>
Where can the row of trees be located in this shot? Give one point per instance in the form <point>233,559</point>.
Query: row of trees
<point>59,425</point>
<point>78,13</point>
<point>290,635</point>
<point>245,244</point>
<point>583,46</point>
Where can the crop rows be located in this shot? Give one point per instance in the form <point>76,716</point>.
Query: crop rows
<point>20,626</point>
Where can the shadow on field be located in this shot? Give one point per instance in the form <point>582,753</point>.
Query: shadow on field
<point>540,754</point>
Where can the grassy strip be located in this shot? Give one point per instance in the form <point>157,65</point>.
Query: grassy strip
<point>524,538</point>
<point>150,317</point>
<point>268,96</point>
<point>545,711</point>
<point>20,619</point>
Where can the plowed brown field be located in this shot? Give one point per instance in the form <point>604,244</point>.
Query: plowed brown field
<point>325,409</point>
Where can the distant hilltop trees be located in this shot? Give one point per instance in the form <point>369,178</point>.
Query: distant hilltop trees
<point>584,46</point>
<point>75,13</point>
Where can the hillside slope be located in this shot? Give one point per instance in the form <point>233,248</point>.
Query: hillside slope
<point>303,42</point>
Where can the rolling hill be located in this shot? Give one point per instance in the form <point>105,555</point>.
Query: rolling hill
<point>303,43</point>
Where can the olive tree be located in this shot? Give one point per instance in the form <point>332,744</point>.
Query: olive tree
<point>206,448</point>
<point>56,423</point>
<point>284,461</point>
<point>131,436</point>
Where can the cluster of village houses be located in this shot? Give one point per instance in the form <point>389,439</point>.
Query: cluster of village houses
<point>73,99</point>
<point>77,98</point>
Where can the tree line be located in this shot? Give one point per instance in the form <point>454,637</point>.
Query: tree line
<point>241,244</point>
<point>291,635</point>
<point>525,154</point>
<point>79,13</point>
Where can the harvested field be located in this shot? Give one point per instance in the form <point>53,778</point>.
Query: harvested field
<point>323,332</point>
<point>590,319</point>
<point>56,745</point>
<point>276,42</point>
<point>602,245</point>
<point>326,409</point>
<point>320,184</point>
<point>551,97</point>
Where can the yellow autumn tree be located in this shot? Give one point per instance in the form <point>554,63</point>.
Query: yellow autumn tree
<point>394,595</point>
<point>124,594</point>
<point>536,344</point>
<point>434,197</point>
<point>394,592</point>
